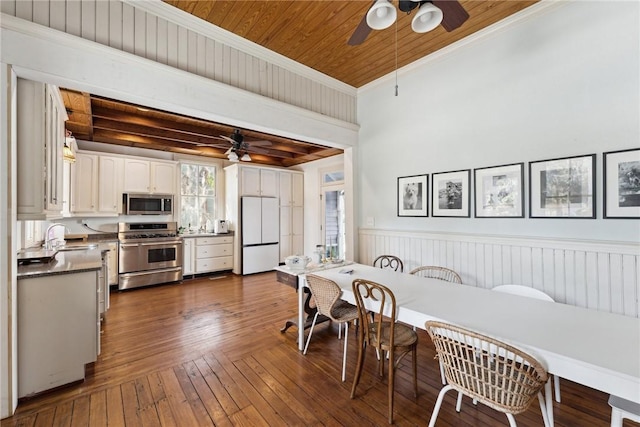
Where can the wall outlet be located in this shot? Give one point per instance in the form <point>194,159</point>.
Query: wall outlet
<point>370,221</point>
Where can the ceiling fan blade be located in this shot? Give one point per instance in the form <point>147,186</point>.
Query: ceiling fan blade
<point>261,142</point>
<point>224,138</point>
<point>256,150</point>
<point>362,31</point>
<point>454,15</point>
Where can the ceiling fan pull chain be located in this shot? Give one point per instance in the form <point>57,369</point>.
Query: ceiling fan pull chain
<point>396,58</point>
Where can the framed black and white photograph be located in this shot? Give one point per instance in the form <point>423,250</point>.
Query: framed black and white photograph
<point>563,188</point>
<point>621,172</point>
<point>499,191</point>
<point>451,194</point>
<point>412,195</point>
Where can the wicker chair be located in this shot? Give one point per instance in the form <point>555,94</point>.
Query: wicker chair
<point>527,291</point>
<point>382,333</point>
<point>441,273</point>
<point>326,294</point>
<point>389,261</point>
<point>487,370</point>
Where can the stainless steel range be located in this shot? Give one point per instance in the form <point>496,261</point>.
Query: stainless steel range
<point>150,253</point>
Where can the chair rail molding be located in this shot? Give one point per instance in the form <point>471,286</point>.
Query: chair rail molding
<point>601,275</point>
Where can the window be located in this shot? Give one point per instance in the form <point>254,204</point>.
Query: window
<point>197,197</point>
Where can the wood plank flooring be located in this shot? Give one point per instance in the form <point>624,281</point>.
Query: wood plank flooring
<point>209,352</point>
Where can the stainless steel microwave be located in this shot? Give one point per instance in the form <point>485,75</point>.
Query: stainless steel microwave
<point>147,204</point>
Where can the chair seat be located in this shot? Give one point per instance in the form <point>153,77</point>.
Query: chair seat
<point>403,336</point>
<point>342,311</point>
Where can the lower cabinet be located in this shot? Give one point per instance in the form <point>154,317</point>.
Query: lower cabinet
<point>58,330</point>
<point>207,254</point>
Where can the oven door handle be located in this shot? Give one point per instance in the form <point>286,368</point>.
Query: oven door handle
<point>129,245</point>
<point>174,242</point>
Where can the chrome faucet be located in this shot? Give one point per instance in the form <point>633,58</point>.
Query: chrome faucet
<point>48,245</point>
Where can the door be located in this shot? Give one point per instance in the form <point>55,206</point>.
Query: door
<point>333,222</point>
<point>270,220</point>
<point>251,221</point>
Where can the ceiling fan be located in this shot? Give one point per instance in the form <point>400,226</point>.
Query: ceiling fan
<point>240,147</point>
<point>430,14</point>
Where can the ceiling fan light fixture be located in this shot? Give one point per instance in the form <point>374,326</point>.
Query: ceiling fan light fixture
<point>245,157</point>
<point>427,18</point>
<point>381,15</point>
<point>233,157</point>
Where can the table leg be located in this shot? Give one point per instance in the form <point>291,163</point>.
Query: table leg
<point>548,395</point>
<point>301,286</point>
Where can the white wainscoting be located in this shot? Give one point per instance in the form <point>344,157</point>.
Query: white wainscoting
<point>594,274</point>
<point>157,31</point>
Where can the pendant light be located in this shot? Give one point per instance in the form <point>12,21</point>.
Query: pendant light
<point>245,157</point>
<point>427,18</point>
<point>381,15</point>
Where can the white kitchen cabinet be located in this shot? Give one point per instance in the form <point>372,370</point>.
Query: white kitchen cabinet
<point>291,186</point>
<point>144,176</point>
<point>58,329</point>
<point>84,184</point>
<point>189,257</point>
<point>41,133</point>
<point>258,182</point>
<point>110,177</point>
<point>96,184</point>
<point>213,254</point>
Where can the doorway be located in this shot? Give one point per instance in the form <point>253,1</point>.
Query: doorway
<point>333,222</point>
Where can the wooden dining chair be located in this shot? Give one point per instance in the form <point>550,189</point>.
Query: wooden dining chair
<point>326,294</point>
<point>389,261</point>
<point>527,291</point>
<point>434,272</point>
<point>440,273</point>
<point>381,332</point>
<point>487,370</point>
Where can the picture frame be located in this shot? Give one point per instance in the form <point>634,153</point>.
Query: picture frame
<point>413,195</point>
<point>451,194</point>
<point>499,191</point>
<point>563,187</point>
<point>621,183</point>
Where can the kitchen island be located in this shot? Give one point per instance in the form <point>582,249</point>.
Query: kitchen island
<point>58,320</point>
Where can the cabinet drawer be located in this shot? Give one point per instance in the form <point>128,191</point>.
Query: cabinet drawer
<point>208,251</point>
<point>212,264</point>
<point>213,240</point>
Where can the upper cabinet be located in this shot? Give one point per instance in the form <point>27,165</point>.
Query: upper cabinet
<point>40,132</point>
<point>258,182</point>
<point>144,176</point>
<point>96,184</point>
<point>291,188</point>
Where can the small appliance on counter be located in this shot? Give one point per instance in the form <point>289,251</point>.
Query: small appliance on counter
<point>220,226</point>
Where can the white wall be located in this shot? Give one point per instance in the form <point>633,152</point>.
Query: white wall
<point>561,81</point>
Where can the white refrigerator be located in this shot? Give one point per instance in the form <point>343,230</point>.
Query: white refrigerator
<point>260,229</point>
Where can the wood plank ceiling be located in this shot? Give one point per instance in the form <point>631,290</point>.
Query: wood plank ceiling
<point>312,32</point>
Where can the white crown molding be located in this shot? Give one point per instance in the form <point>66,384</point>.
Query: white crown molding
<point>622,248</point>
<point>530,12</point>
<point>193,23</point>
<point>319,128</point>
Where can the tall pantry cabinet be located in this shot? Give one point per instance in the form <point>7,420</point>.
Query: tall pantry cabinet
<point>291,190</point>
<point>41,133</point>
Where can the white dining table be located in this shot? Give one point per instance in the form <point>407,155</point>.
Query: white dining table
<point>593,348</point>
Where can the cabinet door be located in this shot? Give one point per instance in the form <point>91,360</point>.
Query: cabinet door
<point>250,181</point>
<point>84,188</point>
<point>268,183</point>
<point>188,257</point>
<point>285,188</point>
<point>54,140</point>
<point>136,176</point>
<point>297,189</point>
<point>286,248</point>
<point>110,184</point>
<point>163,178</point>
<point>297,221</point>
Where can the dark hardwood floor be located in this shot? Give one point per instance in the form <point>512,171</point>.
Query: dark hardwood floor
<point>209,352</point>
